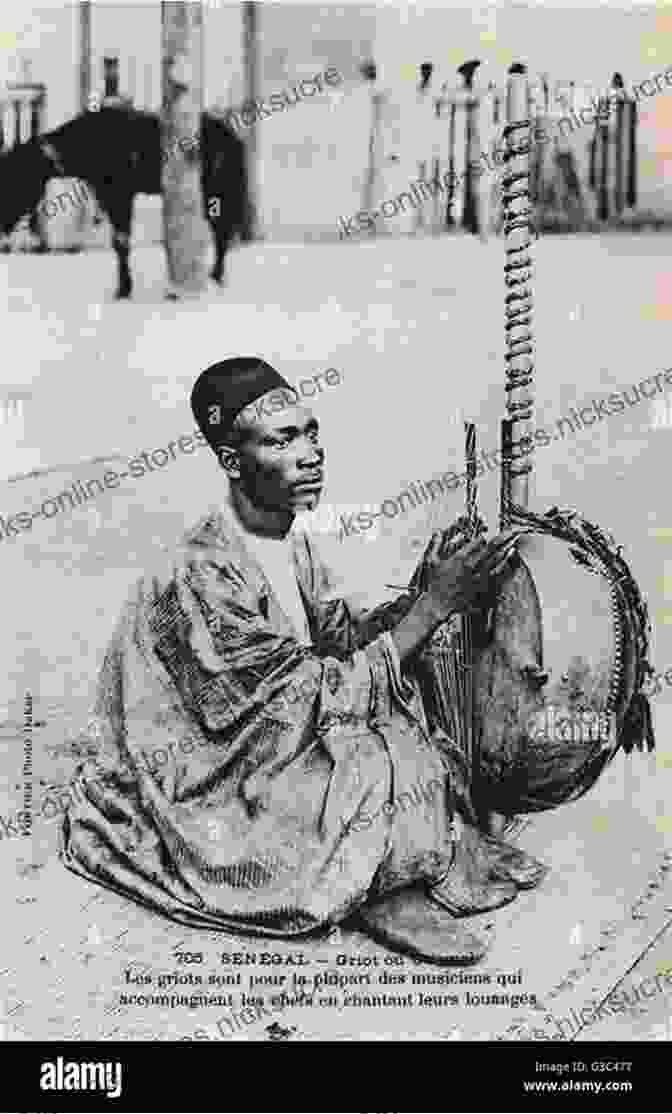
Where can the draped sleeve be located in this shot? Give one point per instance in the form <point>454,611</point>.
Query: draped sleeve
<point>208,627</point>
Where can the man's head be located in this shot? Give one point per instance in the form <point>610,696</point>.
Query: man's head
<point>267,443</point>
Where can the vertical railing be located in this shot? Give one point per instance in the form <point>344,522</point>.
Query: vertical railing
<point>22,112</point>
<point>12,406</point>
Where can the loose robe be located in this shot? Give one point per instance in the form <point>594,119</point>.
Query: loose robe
<point>245,781</point>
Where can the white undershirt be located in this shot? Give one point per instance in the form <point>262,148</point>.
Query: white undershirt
<point>276,557</point>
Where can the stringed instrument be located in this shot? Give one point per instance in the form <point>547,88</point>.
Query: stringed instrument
<point>535,695</point>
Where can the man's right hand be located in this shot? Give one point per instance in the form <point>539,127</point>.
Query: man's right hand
<point>453,583</point>
<point>460,582</point>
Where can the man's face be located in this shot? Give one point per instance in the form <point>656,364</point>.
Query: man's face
<point>281,461</point>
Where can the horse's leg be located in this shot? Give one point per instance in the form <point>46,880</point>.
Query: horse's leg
<point>221,248</point>
<point>120,210</point>
<point>223,234</point>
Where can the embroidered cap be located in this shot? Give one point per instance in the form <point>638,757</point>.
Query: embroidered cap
<point>223,390</point>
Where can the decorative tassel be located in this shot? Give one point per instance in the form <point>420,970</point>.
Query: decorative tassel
<point>638,726</point>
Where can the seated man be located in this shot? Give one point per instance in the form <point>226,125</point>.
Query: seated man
<point>290,728</point>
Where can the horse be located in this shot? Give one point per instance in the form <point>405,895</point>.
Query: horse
<point>118,152</point>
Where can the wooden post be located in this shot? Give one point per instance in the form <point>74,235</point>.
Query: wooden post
<point>187,237</point>
<point>517,440</point>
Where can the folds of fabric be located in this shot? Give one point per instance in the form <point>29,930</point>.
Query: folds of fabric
<point>242,780</point>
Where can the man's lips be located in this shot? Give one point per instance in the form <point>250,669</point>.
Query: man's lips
<point>313,484</point>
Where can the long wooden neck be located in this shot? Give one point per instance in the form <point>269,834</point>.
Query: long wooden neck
<point>517,438</point>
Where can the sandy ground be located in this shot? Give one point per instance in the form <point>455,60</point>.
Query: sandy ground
<point>415,329</point>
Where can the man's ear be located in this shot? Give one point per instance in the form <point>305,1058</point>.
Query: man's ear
<point>229,460</point>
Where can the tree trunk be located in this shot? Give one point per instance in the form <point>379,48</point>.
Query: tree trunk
<point>84,55</point>
<point>250,20</point>
<point>186,233</point>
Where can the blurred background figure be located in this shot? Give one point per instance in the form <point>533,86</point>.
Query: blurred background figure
<point>559,200</point>
<point>374,98</point>
<point>613,153</point>
<point>487,144</point>
<point>427,139</point>
<point>396,152</point>
<point>404,111</point>
<point>461,106</point>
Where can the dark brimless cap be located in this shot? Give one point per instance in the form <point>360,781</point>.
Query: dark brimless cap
<point>230,386</point>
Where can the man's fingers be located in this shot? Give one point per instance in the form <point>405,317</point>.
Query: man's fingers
<point>452,531</point>
<point>434,548</point>
<point>503,550</point>
<point>452,541</point>
<point>507,540</point>
<point>496,545</point>
<point>493,564</point>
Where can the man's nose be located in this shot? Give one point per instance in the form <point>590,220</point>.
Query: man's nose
<point>310,454</point>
